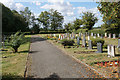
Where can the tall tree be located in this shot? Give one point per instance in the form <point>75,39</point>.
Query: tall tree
<point>27,15</point>
<point>111,15</point>
<point>77,24</point>
<point>44,18</point>
<point>56,19</point>
<point>89,20</point>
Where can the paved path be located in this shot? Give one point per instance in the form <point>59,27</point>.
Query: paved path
<point>48,61</point>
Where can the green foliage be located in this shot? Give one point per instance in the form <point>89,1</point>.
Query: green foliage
<point>12,21</point>
<point>82,30</point>
<point>44,19</point>
<point>51,19</point>
<point>35,29</point>
<point>97,40</point>
<point>66,42</point>
<point>111,16</point>
<point>89,20</point>
<point>77,24</point>
<point>16,40</point>
<point>95,31</point>
<point>68,27</point>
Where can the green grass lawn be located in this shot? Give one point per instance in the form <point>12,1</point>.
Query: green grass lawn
<point>14,63</point>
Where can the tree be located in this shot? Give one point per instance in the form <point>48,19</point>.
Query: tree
<point>44,18</point>
<point>77,24</point>
<point>69,27</point>
<point>35,29</point>
<point>89,20</point>
<point>27,14</point>
<point>111,15</point>
<point>12,21</point>
<point>56,19</point>
<point>16,40</point>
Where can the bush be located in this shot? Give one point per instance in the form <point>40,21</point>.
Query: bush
<point>66,42</point>
<point>82,30</point>
<point>97,40</point>
<point>95,31</point>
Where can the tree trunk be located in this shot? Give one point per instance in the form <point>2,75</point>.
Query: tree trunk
<point>15,49</point>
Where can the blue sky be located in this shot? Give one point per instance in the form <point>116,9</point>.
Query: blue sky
<point>70,9</point>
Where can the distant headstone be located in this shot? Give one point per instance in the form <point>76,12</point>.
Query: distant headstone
<point>78,41</point>
<point>89,44</point>
<point>91,34</point>
<point>119,36</point>
<point>101,36</point>
<point>98,35</point>
<point>94,36</point>
<point>110,35</point>
<point>99,47</point>
<point>80,36</point>
<point>59,36</point>
<point>109,50</point>
<point>54,35</point>
<point>118,45</point>
<point>114,36</point>
<point>88,37</point>
<point>105,35</point>
<point>84,41</point>
<point>112,51</point>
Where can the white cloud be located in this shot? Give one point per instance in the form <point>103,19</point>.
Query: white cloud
<point>37,3</point>
<point>12,5</point>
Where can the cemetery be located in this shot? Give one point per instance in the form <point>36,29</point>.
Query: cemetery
<point>59,42</point>
<point>100,53</point>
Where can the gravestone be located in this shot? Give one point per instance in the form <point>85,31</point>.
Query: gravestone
<point>89,44</point>
<point>98,35</point>
<point>114,36</point>
<point>54,35</point>
<point>99,47</point>
<point>80,36</point>
<point>88,37</point>
<point>78,40</point>
<point>105,35</point>
<point>101,36</point>
<point>112,51</point>
<point>94,36</point>
<point>59,36</point>
<point>110,35</point>
<point>119,36</point>
<point>91,34</point>
<point>109,50</point>
<point>84,41</point>
<point>118,45</point>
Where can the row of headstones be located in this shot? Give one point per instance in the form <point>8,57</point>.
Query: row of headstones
<point>106,35</point>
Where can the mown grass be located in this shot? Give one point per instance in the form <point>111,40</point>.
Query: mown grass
<point>13,64</point>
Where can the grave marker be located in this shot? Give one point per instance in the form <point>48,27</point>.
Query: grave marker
<point>78,41</point>
<point>110,35</point>
<point>89,44</point>
<point>113,51</point>
<point>91,34</point>
<point>105,35</point>
<point>98,35</point>
<point>114,36</point>
<point>84,41</point>
<point>99,47</point>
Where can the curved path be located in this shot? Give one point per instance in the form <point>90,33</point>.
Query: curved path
<point>49,61</point>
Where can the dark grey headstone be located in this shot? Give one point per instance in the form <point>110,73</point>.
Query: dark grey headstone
<point>89,44</point>
<point>101,36</point>
<point>99,47</point>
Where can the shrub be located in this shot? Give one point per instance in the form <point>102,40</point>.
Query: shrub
<point>66,42</point>
<point>97,40</point>
<point>95,31</point>
<point>82,30</point>
<point>16,40</point>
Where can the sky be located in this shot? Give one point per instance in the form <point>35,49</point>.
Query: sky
<point>70,9</point>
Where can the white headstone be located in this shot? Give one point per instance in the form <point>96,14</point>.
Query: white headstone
<point>109,50</point>
<point>98,35</point>
<point>105,34</point>
<point>113,51</point>
<point>114,36</point>
<point>88,37</point>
